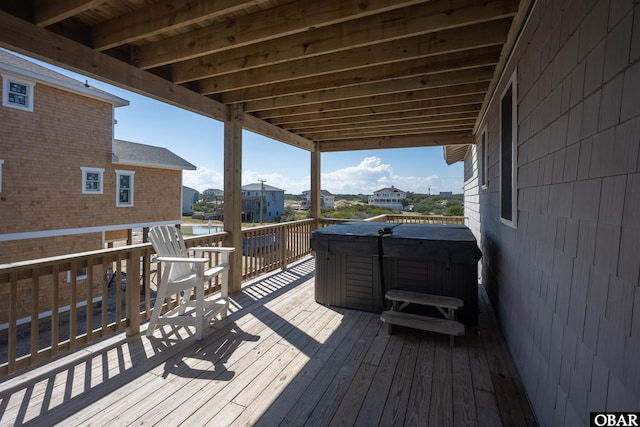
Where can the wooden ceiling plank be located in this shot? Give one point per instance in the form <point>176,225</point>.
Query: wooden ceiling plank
<point>482,74</point>
<point>436,97</point>
<point>426,140</point>
<point>438,43</point>
<point>367,110</point>
<point>287,19</point>
<point>48,12</point>
<point>389,131</point>
<point>409,109</point>
<point>487,56</point>
<point>160,17</point>
<point>381,120</point>
<point>419,20</point>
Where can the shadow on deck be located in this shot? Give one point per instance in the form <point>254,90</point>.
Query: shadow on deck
<point>279,359</point>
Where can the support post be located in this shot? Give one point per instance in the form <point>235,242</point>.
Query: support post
<point>232,216</point>
<point>315,186</point>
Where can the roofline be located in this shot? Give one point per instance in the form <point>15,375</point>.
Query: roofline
<point>116,161</point>
<point>50,81</point>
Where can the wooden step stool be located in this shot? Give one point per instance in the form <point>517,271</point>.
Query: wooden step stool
<point>447,306</point>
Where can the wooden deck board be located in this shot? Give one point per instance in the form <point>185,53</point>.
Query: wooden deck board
<point>278,359</point>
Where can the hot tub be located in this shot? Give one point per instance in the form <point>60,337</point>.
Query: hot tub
<point>440,259</point>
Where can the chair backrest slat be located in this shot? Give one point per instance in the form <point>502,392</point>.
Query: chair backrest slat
<point>167,241</point>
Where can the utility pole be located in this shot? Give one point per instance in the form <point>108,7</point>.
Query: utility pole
<point>262,181</point>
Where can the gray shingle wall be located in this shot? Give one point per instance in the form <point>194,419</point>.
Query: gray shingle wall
<point>566,281</point>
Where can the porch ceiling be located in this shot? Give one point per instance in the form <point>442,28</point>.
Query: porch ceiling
<point>347,74</point>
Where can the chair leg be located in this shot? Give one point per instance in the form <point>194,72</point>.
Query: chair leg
<point>199,315</point>
<point>157,307</point>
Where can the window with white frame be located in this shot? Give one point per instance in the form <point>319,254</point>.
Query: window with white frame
<point>508,151</point>
<point>124,188</point>
<point>92,179</point>
<point>483,158</point>
<point>1,162</point>
<point>17,93</point>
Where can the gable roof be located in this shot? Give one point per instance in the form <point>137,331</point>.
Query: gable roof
<point>20,67</point>
<point>132,153</point>
<point>258,186</point>
<point>389,190</point>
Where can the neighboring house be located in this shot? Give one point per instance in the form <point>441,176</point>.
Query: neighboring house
<point>446,193</point>
<point>66,185</point>
<point>189,197</point>
<point>327,200</point>
<point>261,202</point>
<point>213,195</point>
<point>552,193</point>
<point>388,198</point>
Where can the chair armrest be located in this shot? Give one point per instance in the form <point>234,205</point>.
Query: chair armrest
<point>180,259</point>
<point>220,249</point>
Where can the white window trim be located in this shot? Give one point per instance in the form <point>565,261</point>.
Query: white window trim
<point>1,162</point>
<point>484,163</point>
<point>120,173</point>
<point>514,150</point>
<point>6,81</point>
<point>81,274</point>
<point>100,172</point>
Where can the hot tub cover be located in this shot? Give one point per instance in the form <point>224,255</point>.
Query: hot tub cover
<point>436,242</point>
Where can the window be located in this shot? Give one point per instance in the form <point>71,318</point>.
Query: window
<point>92,180</point>
<point>1,162</point>
<point>17,93</point>
<point>81,274</point>
<point>508,144</point>
<point>483,158</point>
<point>124,186</point>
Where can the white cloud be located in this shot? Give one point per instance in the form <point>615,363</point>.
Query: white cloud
<point>369,175</point>
<point>372,174</point>
<point>203,178</point>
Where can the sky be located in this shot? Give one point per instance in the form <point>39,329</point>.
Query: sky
<point>199,140</point>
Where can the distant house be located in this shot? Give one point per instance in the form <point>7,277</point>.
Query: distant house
<point>66,185</point>
<point>261,202</point>
<point>189,197</point>
<point>327,200</point>
<point>388,198</point>
<point>213,195</point>
<point>446,193</point>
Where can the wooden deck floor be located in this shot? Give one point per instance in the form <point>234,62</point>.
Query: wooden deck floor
<point>279,359</point>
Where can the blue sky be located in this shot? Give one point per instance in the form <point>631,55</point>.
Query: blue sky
<point>199,140</point>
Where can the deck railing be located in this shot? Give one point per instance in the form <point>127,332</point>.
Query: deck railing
<point>57,305</point>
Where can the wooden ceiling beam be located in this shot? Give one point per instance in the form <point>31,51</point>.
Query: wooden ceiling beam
<point>381,120</point>
<point>160,17</point>
<point>483,57</point>
<point>263,128</point>
<point>412,84</point>
<point>372,143</point>
<point>430,17</point>
<point>401,110</point>
<point>415,129</point>
<point>48,12</point>
<point>426,104</point>
<point>287,19</point>
<point>440,96</point>
<point>426,45</point>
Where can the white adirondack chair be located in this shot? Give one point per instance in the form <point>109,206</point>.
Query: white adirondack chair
<point>182,274</point>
